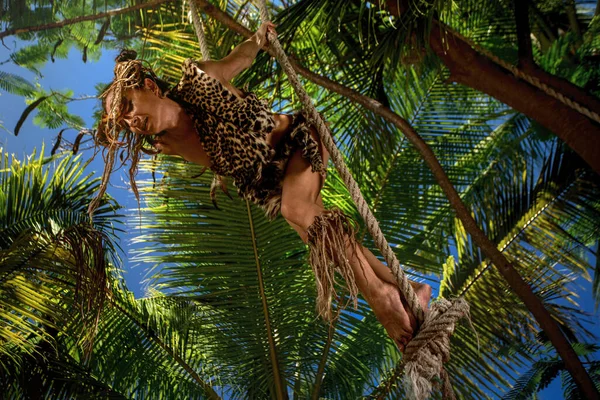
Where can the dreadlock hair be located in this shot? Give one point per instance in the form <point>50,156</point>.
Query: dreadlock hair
<point>113,133</point>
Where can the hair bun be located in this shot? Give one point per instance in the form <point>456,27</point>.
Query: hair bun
<point>126,55</point>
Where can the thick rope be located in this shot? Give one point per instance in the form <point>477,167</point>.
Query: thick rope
<point>199,28</point>
<point>426,353</point>
<point>336,157</point>
<point>218,181</point>
<point>530,79</point>
<point>430,349</point>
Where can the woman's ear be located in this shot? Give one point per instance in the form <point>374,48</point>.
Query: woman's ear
<point>150,84</point>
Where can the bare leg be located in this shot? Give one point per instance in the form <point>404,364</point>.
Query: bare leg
<point>301,203</point>
<point>383,297</point>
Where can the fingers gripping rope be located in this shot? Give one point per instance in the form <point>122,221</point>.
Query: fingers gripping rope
<point>427,352</point>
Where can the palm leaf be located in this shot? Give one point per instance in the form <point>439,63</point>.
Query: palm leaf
<point>15,84</point>
<point>54,264</point>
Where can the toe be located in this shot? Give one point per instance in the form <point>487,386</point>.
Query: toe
<point>402,341</point>
<point>400,344</point>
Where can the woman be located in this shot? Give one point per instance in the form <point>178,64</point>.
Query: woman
<point>277,161</point>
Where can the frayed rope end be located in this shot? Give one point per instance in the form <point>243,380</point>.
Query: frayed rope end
<point>428,351</point>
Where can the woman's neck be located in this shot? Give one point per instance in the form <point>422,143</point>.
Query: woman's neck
<point>183,139</point>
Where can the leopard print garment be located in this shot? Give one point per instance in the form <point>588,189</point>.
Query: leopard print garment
<point>233,132</point>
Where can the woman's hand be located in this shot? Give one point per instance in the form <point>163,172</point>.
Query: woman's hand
<point>261,33</point>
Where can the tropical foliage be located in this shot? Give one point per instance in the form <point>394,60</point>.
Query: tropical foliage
<point>56,266</point>
<point>230,312</point>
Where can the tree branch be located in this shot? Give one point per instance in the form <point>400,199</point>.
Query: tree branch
<point>571,11</point>
<point>473,69</point>
<point>83,18</point>
<point>523,33</point>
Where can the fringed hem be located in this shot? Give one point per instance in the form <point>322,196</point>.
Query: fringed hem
<point>329,237</point>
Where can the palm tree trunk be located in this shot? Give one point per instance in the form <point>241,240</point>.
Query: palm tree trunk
<point>478,72</point>
<point>519,286</point>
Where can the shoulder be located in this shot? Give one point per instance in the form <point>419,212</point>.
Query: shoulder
<point>191,68</point>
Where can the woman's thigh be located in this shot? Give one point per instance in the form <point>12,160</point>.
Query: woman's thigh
<point>301,189</point>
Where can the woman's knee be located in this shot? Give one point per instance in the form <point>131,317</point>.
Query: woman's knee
<point>292,212</point>
<point>299,213</point>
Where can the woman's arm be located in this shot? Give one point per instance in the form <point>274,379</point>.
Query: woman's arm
<point>241,57</point>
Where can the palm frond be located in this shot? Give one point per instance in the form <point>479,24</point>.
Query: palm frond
<point>54,264</point>
<point>15,84</point>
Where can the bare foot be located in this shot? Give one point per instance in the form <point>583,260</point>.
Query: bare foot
<point>423,292</point>
<point>392,311</point>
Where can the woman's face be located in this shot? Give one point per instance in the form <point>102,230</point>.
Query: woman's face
<point>146,112</point>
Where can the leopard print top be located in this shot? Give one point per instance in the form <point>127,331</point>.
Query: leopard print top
<point>234,131</point>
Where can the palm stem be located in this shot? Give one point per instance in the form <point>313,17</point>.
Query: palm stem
<point>323,361</point>
<point>279,386</point>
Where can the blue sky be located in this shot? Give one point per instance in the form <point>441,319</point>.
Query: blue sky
<point>71,73</point>
<point>81,77</point>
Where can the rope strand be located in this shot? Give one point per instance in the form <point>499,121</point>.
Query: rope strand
<point>199,28</point>
<point>337,159</point>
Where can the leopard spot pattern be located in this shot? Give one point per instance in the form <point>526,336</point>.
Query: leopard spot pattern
<point>234,131</point>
